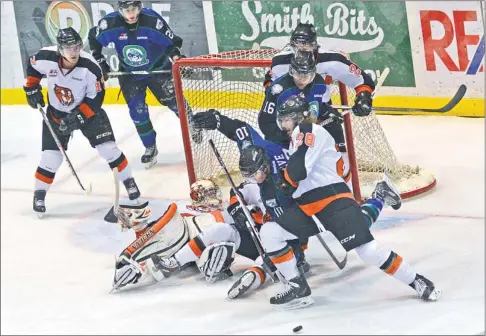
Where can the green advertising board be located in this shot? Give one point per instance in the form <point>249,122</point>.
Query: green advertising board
<point>374,34</point>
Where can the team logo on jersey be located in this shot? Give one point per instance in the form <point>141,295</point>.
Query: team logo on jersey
<point>159,24</point>
<point>63,14</point>
<point>272,203</point>
<point>276,89</point>
<point>53,73</point>
<point>314,109</point>
<point>64,95</point>
<point>135,55</point>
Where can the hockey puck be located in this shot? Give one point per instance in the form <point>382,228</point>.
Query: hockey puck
<point>297,329</point>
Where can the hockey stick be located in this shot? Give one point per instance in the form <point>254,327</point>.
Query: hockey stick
<point>446,108</point>
<point>127,73</point>
<point>59,145</point>
<point>110,216</point>
<point>267,263</point>
<point>340,264</point>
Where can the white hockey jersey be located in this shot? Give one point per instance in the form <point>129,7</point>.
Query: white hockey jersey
<point>81,87</point>
<point>331,65</point>
<point>316,168</point>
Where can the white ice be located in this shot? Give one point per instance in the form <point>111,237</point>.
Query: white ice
<point>56,272</point>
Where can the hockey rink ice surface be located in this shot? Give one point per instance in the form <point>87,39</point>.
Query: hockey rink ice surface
<point>57,271</point>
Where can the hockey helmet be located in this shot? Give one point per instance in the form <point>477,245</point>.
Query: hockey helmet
<point>295,109</point>
<point>130,10</point>
<point>302,68</point>
<point>254,164</point>
<point>69,43</point>
<point>133,216</point>
<point>206,196</point>
<point>304,37</point>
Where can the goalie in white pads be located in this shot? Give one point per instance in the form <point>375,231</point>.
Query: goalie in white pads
<point>174,240</point>
<point>312,179</point>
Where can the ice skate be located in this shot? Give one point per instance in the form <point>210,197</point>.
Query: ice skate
<point>387,192</point>
<point>296,294</point>
<point>161,268</point>
<point>132,188</point>
<point>149,159</point>
<point>39,202</point>
<point>425,288</point>
<point>243,284</point>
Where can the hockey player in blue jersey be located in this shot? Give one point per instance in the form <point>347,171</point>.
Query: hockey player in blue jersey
<point>143,42</point>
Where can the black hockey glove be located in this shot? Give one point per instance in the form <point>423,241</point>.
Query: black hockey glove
<point>105,68</point>
<point>71,122</point>
<point>34,96</point>
<point>239,217</point>
<point>284,186</point>
<point>208,120</point>
<point>328,114</point>
<point>362,104</point>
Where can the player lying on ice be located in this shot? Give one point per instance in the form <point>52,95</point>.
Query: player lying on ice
<point>313,181</point>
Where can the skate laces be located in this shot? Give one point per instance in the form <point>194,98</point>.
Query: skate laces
<point>289,286</point>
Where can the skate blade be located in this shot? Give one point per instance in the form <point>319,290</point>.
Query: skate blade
<point>435,295</point>
<point>150,164</point>
<point>295,304</point>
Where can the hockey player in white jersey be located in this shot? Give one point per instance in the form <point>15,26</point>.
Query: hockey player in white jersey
<point>75,95</point>
<point>311,177</point>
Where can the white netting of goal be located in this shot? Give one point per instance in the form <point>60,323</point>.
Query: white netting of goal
<point>231,82</point>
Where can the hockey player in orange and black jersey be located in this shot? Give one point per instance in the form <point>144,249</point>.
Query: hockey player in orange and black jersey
<point>313,179</point>
<point>75,94</point>
<point>331,65</point>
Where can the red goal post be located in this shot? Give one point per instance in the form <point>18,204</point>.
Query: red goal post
<point>231,82</point>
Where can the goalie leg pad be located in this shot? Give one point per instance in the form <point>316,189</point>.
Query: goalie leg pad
<point>216,260</point>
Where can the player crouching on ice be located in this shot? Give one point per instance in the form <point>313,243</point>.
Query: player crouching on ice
<point>312,180</point>
<point>174,240</point>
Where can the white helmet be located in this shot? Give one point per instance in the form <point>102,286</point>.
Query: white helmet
<point>206,196</point>
<point>134,216</point>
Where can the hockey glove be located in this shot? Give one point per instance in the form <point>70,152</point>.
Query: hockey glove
<point>328,114</point>
<point>105,68</point>
<point>71,122</point>
<point>362,104</point>
<point>34,96</point>
<point>208,120</point>
<point>284,186</point>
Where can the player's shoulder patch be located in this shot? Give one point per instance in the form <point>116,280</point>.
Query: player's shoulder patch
<point>103,24</point>
<point>159,24</point>
<point>276,89</point>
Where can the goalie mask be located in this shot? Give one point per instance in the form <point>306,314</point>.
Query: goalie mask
<point>206,196</point>
<point>134,216</point>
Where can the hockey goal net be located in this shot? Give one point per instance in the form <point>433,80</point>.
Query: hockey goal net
<point>231,82</point>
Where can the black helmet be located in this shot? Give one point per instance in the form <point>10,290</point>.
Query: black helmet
<point>68,36</point>
<point>295,107</point>
<point>304,33</point>
<point>302,63</point>
<point>252,159</point>
<point>126,4</point>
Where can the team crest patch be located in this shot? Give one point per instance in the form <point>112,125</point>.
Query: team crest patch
<point>64,95</point>
<point>159,24</point>
<point>314,109</point>
<point>103,24</point>
<point>276,89</point>
<point>135,55</point>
